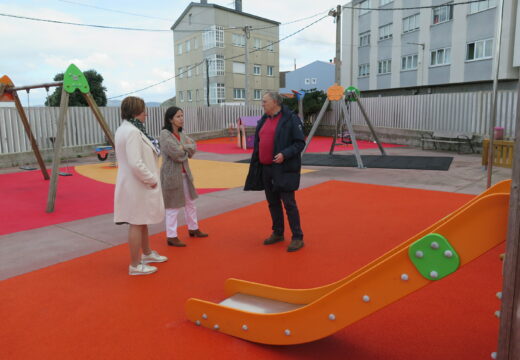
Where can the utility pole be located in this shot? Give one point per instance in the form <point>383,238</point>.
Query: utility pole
<point>246,35</point>
<point>337,59</point>
<point>207,80</point>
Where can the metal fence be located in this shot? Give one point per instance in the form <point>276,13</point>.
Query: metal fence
<point>456,112</point>
<point>468,112</point>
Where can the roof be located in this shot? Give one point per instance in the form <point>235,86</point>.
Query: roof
<point>192,4</point>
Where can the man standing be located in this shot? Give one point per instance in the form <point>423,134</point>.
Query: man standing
<point>275,166</point>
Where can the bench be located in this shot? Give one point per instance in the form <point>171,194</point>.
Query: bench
<point>459,139</point>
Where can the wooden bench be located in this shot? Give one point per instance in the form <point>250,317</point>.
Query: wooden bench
<point>459,139</point>
<point>502,155</point>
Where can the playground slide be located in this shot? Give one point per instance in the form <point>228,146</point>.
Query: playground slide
<point>278,316</point>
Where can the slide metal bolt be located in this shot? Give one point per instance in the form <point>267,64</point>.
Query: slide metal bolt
<point>216,327</point>
<point>448,253</point>
<point>434,245</point>
<point>287,332</point>
<point>419,254</point>
<point>244,327</point>
<point>332,317</point>
<point>366,298</point>
<point>204,316</point>
<point>494,355</point>
<point>404,277</point>
<point>197,322</point>
<point>499,295</point>
<point>497,313</point>
<point>434,274</point>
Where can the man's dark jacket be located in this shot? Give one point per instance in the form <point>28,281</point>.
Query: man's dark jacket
<point>288,140</point>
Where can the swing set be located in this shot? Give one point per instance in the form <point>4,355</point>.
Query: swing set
<point>73,80</point>
<point>343,128</point>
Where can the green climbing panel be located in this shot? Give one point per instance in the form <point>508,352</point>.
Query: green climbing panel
<point>349,91</point>
<point>434,257</point>
<point>74,79</point>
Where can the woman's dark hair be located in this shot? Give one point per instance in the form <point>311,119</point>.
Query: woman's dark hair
<point>168,116</point>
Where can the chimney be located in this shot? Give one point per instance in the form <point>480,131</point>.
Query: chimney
<point>238,5</point>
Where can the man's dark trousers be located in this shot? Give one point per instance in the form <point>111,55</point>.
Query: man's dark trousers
<point>275,199</point>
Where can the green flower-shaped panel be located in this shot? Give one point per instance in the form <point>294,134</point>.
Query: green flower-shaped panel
<point>434,257</point>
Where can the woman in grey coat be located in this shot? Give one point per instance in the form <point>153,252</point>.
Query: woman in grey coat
<point>176,179</point>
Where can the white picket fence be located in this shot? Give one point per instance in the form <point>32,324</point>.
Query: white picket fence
<point>468,112</point>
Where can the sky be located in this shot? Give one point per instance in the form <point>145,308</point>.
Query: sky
<point>34,52</point>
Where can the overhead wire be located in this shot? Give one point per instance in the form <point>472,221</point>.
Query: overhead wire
<point>229,58</point>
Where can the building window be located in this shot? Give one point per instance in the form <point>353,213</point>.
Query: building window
<point>442,14</point>
<point>257,94</point>
<point>188,46</point>
<point>196,43</point>
<point>239,40</point>
<point>239,94</point>
<point>409,62</point>
<point>217,93</point>
<point>364,7</point>
<point>179,49</point>
<point>180,72</point>
<point>213,37</point>
<point>270,46</point>
<point>216,65</point>
<point>270,70</point>
<point>197,70</point>
<point>481,6</point>
<point>364,70</point>
<point>257,43</point>
<point>364,38</point>
<point>239,68</point>
<point>478,50</point>
<point>181,96</point>
<point>188,95</point>
<point>257,69</point>
<point>385,2</point>
<point>411,23</point>
<point>385,32</point>
<point>307,81</point>
<point>197,95</point>
<point>190,72</point>
<point>314,81</point>
<point>440,57</point>
<point>384,66</point>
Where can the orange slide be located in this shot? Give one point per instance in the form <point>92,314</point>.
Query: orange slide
<point>279,316</point>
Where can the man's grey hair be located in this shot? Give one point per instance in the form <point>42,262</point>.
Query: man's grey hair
<point>275,96</point>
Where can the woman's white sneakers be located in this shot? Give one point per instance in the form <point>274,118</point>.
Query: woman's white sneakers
<point>153,257</point>
<point>143,268</point>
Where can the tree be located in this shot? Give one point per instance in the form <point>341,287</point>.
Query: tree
<point>312,104</point>
<point>97,90</point>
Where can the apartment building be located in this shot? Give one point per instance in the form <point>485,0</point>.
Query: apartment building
<point>211,65</point>
<point>394,46</point>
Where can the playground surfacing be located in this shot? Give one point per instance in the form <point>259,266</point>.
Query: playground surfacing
<point>331,253</point>
<point>94,310</point>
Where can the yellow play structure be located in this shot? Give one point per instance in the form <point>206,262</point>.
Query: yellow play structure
<point>279,316</point>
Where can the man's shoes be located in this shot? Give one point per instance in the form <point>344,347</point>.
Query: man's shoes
<point>141,269</point>
<point>295,245</point>
<point>273,239</point>
<point>175,241</point>
<point>153,257</point>
<point>197,233</point>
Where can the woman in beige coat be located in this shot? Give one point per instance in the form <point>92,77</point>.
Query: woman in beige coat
<point>138,198</point>
<point>176,179</point>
